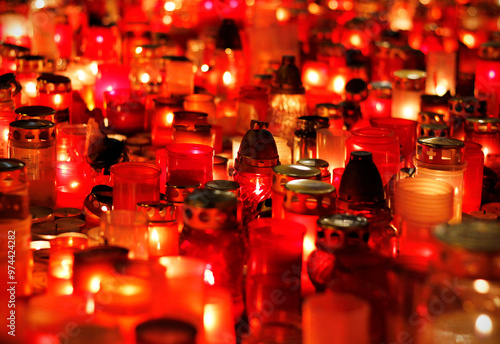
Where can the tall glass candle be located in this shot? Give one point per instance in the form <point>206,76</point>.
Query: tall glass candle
<point>7,115</point>
<point>178,76</point>
<point>55,91</point>
<point>408,86</point>
<point>486,132</point>
<point>473,177</point>
<point>486,86</point>
<point>188,162</point>
<point>331,146</point>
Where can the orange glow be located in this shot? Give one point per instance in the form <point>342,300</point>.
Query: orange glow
<point>333,5</point>
<point>355,40</point>
<point>348,5</point>
<point>57,99</point>
<point>338,84</point>
<point>227,78</point>
<point>378,107</point>
<point>469,40</point>
<point>484,325</point>
<point>282,14</point>
<point>314,8</point>
<point>312,77</point>
<point>209,276</point>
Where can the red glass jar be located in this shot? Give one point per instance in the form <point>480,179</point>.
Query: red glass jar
<point>163,118</point>
<point>486,132</point>
<point>201,134</point>
<point>406,133</point>
<point>188,162</point>
<point>212,232</point>
<point>101,43</point>
<point>253,166</point>
<point>253,103</point>
<point>29,67</point>
<point>177,194</point>
<point>385,149</point>
<point>461,108</point>
<point>344,262</point>
<point>55,91</point>
<point>473,177</point>
<point>190,118</point>
<point>125,111</point>
<point>487,80</point>
<point>379,101</point>
<point>283,174</point>
<point>7,115</point>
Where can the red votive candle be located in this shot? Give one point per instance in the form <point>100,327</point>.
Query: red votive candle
<point>188,162</point>
<point>473,177</point>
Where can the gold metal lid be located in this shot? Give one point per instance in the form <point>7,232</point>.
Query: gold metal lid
<point>380,89</point>
<point>178,193</point>
<point>467,107</point>
<point>30,64</point>
<point>282,174</point>
<point>342,230</point>
<point>321,164</point>
<point>309,197</point>
<point>409,79</point>
<point>483,125</point>
<point>35,112</point>
<point>440,150</point>
<point>5,92</point>
<point>472,236</point>
<point>222,185</point>
<point>53,83</point>
<point>33,131</point>
<point>14,198</point>
<point>158,211</point>
<point>427,117</point>
<point>434,129</point>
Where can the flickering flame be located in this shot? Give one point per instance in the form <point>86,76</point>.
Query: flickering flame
<point>209,5</point>
<point>440,90</point>
<point>169,118</point>
<point>355,40</point>
<point>99,39</point>
<point>57,38</point>
<point>484,325</point>
<point>145,78</point>
<point>481,286</point>
<point>30,89</point>
<point>233,3</point>
<point>491,74</point>
<point>155,238</point>
<point>312,77</point>
<point>338,84</point>
<point>209,317</point>
<point>129,289</point>
<point>95,284</point>
<point>109,88</point>
<point>204,68</point>
<point>228,51</point>
<point>250,2</point>
<point>333,5</point>
<point>408,112</point>
<point>94,68</point>
<point>169,6</point>
<point>378,107</point>
<point>227,78</point>
<point>282,14</point>
<point>80,75</point>
<point>74,185</point>
<point>39,4</point>
<point>38,245</point>
<point>5,134</point>
<point>104,208</point>
<point>57,99</point>
<point>64,269</point>
<point>90,306</point>
<point>308,246</point>
<point>208,276</point>
<point>167,20</point>
<point>314,8</point>
<point>469,40</point>
<point>138,50</point>
<point>348,5</point>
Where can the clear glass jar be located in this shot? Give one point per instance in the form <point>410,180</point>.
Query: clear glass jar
<point>304,139</point>
<point>408,86</point>
<point>34,142</point>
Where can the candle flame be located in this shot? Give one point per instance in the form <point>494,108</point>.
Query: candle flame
<point>309,246</point>
<point>95,284</point>
<point>378,107</point>
<point>227,78</point>
<point>484,325</point>
<point>90,306</point>
<point>169,118</point>
<point>209,317</point>
<point>440,90</point>
<point>169,6</point>
<point>282,14</point>
<point>39,4</point>
<point>469,40</point>
<point>208,276</point>
<point>99,39</point>
<point>355,40</point>
<point>57,99</point>
<point>104,208</point>
<point>145,78</point>
<point>64,269</point>
<point>57,38</point>
<point>94,68</point>
<point>129,289</point>
<point>204,68</point>
<point>30,89</point>
<point>338,84</point>
<point>312,77</point>
<point>481,286</point>
<point>138,50</point>
<point>491,74</point>
<point>74,185</point>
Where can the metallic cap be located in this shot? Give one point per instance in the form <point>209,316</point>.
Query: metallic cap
<point>434,129</point>
<point>208,209</point>
<point>467,107</point>
<point>321,164</point>
<point>409,79</point>
<point>288,79</point>
<point>258,152</point>
<point>12,172</point>
<point>158,211</point>
<point>309,197</point>
<point>428,117</point>
<point>178,193</point>
<point>489,51</point>
<point>175,58</point>
<point>224,185</point>
<point>14,199</point>
<point>62,213</point>
<point>283,174</point>
<point>41,214</point>
<point>169,102</point>
<point>10,79</point>
<point>35,112</point>
<point>312,123</point>
<point>483,125</point>
<point>33,131</point>
<point>53,83</point>
<point>380,89</point>
<point>30,64</point>
<point>341,230</point>
<point>356,90</point>
<point>12,50</point>
<point>440,150</point>
<point>361,181</point>
<point>472,236</point>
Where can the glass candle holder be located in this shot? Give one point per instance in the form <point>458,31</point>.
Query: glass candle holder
<point>435,103</point>
<point>55,91</point>
<point>190,118</point>
<point>323,166</point>
<point>461,108</point>
<point>178,76</point>
<point>201,103</point>
<point>163,117</point>
<point>408,86</point>
<point>128,229</point>
<point>34,141</point>
<point>324,313</point>
<point>331,146</point>
<point>441,69</point>
<point>304,138</point>
<point>385,149</point>
<point>486,86</point>
<point>82,73</point>
<point>486,132</point>
<point>133,34</point>
<point>134,182</point>
<point>28,68</point>
<point>125,111</point>
<point>442,158</point>
<point>275,264</point>
<point>155,331</point>
<point>253,102</point>
<point>163,228</point>
<point>145,65</point>
<point>101,43</point>
<point>405,130</point>
<point>473,177</point>
<point>189,162</point>
<point>110,76</point>
<point>7,115</point>
<point>305,202</point>
<point>379,101</point>
<point>218,318</point>
<point>421,204</point>
<point>201,134</point>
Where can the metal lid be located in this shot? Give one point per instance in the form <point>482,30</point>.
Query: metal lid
<point>258,152</point>
<point>14,198</point>
<point>223,185</point>
<point>329,110</point>
<point>158,211</point>
<point>342,230</point>
<point>361,181</point>
<point>208,209</point>
<point>489,51</point>
<point>312,123</point>
<point>61,213</point>
<point>228,36</point>
<point>321,164</point>
<point>53,83</point>
<point>434,129</point>
<point>189,118</point>
<point>171,102</point>
<point>380,89</point>
<point>12,170</point>
<point>483,125</point>
<point>33,131</point>
<point>177,193</point>
<point>427,117</point>
<point>10,79</point>
<point>165,330</point>
<point>282,174</point>
<point>440,150</point>
<point>409,79</point>
<point>472,236</point>
<point>12,50</point>
<point>41,214</point>
<point>30,64</point>
<point>176,58</point>
<point>309,197</point>
<point>467,107</point>
<point>35,112</point>
<point>356,90</point>
<point>288,79</point>
<point>70,222</point>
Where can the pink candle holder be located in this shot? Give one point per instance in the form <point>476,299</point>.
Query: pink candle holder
<point>134,182</point>
<point>187,162</point>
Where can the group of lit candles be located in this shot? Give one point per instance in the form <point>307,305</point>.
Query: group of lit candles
<point>423,99</point>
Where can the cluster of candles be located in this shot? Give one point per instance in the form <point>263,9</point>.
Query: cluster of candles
<point>139,156</point>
